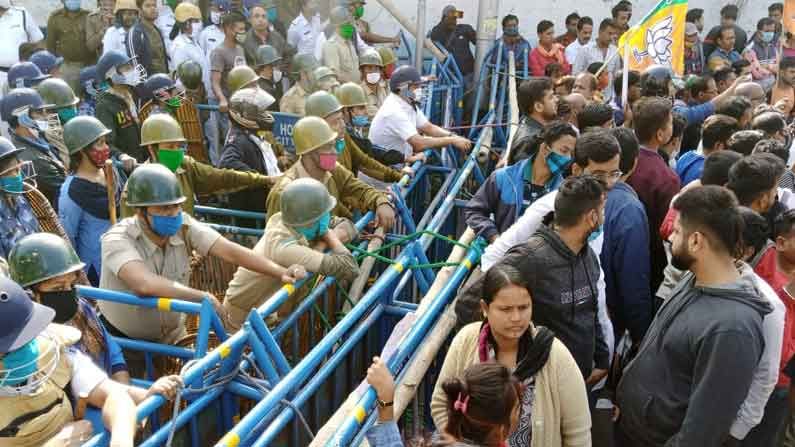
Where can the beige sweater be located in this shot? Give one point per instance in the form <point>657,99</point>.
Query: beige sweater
<point>560,410</point>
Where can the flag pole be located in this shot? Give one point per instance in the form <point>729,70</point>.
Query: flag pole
<point>625,79</point>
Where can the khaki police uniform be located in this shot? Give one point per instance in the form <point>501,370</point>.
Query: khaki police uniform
<point>66,36</point>
<point>294,100</point>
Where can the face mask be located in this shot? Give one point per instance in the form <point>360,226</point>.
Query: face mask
<point>273,14</point>
<point>360,120</point>
<point>166,225</point>
<point>318,229</point>
<point>240,37</point>
<point>277,76</point>
<point>19,365</point>
<point>174,102</point>
<point>557,163</point>
<point>595,234</point>
<point>42,125</point>
<point>63,302</point>
<point>358,12</point>
<point>71,5</point>
<point>66,114</point>
<point>373,78</point>
<point>215,17</point>
<point>510,32</point>
<point>195,29</point>
<point>327,162</point>
<point>170,158</point>
<point>418,95</point>
<point>768,36</point>
<point>131,78</point>
<point>339,146</point>
<point>99,156</point>
<point>346,31</point>
<point>13,184</point>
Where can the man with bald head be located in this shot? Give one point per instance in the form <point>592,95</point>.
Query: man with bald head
<point>576,103</point>
<point>773,125</point>
<point>753,92</point>
<point>585,84</point>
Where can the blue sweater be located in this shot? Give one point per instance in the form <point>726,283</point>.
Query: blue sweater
<point>626,262</point>
<point>689,167</point>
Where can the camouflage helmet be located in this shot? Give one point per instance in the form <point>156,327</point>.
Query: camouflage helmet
<point>161,128</point>
<point>322,104</point>
<point>303,63</point>
<point>311,133</point>
<point>38,257</point>
<point>304,201</point>
<point>266,55</point>
<point>351,94</point>
<point>81,131</point>
<point>249,108</point>
<point>370,57</point>
<point>190,74</point>
<point>153,184</point>
<point>240,77</point>
<point>387,55</point>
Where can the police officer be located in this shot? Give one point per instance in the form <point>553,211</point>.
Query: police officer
<point>38,361</point>
<point>116,105</point>
<point>305,28</point>
<point>29,119</point>
<point>371,67</point>
<point>293,100</point>
<point>47,62</point>
<point>17,27</point>
<point>212,35</point>
<point>297,234</point>
<point>325,105</point>
<point>389,60</point>
<point>161,136</point>
<point>268,69</point>
<point>66,36</point>
<point>97,24</point>
<point>250,145</point>
<point>57,92</point>
<point>315,147</point>
<point>149,253</point>
<point>16,215</point>
<point>115,37</point>
<point>24,74</point>
<point>242,76</point>
<point>88,91</point>
<point>324,78</point>
<point>339,52</point>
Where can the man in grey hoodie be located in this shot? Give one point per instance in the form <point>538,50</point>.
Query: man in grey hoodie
<point>696,363</point>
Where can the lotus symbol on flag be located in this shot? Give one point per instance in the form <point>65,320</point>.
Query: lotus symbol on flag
<point>658,42</point>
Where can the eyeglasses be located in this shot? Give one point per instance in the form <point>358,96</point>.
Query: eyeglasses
<point>605,176</point>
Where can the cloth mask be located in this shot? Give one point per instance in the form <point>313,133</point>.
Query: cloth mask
<point>166,226</point>
<point>373,78</point>
<point>768,36</point>
<point>358,12</point>
<point>71,5</point>
<point>19,365</point>
<point>63,302</point>
<point>277,76</point>
<point>174,102</point>
<point>346,31</point>
<point>318,229</point>
<point>170,158</point>
<point>240,38</point>
<point>360,120</point>
<point>273,14</point>
<point>13,185</point>
<point>67,114</point>
<point>557,163</point>
<point>99,156</point>
<point>215,17</point>
<point>339,146</point>
<point>327,161</point>
<point>510,31</point>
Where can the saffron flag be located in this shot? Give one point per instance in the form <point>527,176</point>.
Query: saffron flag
<point>788,19</point>
<point>658,39</point>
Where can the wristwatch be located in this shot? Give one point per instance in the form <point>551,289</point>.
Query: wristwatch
<point>382,404</point>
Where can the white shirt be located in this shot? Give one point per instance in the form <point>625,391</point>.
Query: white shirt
<point>17,26</point>
<point>573,49</point>
<point>183,48</point>
<point>85,374</point>
<point>591,53</point>
<point>210,37</point>
<point>114,40</point>
<point>302,35</point>
<point>165,23</point>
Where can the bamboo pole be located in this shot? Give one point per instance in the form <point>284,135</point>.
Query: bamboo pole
<point>411,28</point>
<point>367,266</point>
<point>110,183</point>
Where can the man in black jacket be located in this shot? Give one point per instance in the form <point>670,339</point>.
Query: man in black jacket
<point>145,42</point>
<point>697,360</point>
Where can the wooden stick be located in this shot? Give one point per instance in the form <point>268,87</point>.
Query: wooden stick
<point>82,401</point>
<point>110,184</point>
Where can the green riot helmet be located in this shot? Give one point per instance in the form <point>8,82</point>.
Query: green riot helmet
<point>81,132</point>
<point>241,76</point>
<point>57,92</point>
<point>190,74</point>
<point>350,94</point>
<point>370,57</point>
<point>266,55</point>
<point>153,184</point>
<point>324,78</point>
<point>303,63</point>
<point>304,201</point>
<point>38,257</point>
<point>322,104</point>
<point>311,133</point>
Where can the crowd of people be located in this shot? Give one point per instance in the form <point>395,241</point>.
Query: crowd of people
<point>641,244</point>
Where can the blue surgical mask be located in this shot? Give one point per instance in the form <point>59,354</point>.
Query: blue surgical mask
<point>166,225</point>
<point>13,184</point>
<point>557,163</point>
<point>510,31</point>
<point>318,229</point>
<point>768,36</point>
<point>67,114</point>
<point>360,120</point>
<point>20,364</point>
<point>71,5</point>
<point>595,234</point>
<point>273,14</point>
<point>339,146</point>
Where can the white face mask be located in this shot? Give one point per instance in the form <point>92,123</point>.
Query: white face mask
<point>373,78</point>
<point>132,78</point>
<point>418,95</point>
<point>215,17</point>
<point>277,75</point>
<point>42,125</point>
<point>196,28</point>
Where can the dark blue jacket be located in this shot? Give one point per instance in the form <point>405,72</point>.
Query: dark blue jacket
<point>626,262</point>
<point>503,195</point>
<point>695,115</point>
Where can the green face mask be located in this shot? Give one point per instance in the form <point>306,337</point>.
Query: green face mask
<point>171,158</point>
<point>66,114</point>
<point>358,12</point>
<point>174,102</point>
<point>346,31</point>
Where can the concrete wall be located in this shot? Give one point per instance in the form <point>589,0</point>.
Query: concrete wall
<point>529,12</point>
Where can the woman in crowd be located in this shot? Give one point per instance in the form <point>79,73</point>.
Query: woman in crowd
<point>83,200</point>
<point>554,405</point>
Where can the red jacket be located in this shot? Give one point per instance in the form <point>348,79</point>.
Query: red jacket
<point>539,62</point>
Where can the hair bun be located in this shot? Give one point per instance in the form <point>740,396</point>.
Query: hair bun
<point>452,388</point>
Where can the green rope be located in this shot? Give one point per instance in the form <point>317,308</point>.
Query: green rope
<point>400,241</point>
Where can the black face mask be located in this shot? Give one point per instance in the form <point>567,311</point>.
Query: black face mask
<point>63,302</point>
